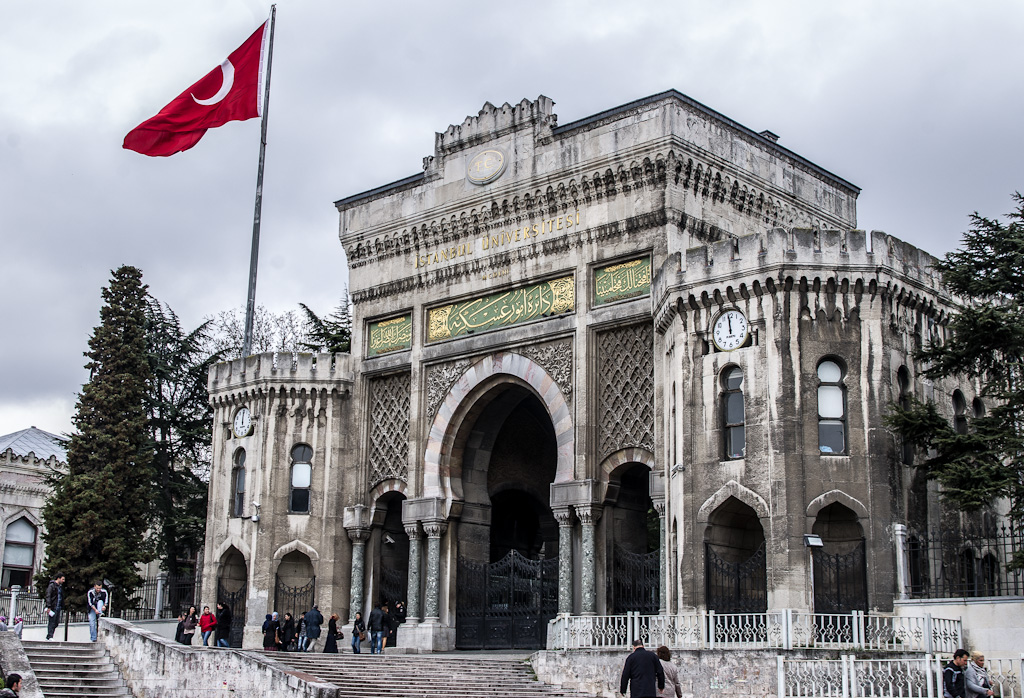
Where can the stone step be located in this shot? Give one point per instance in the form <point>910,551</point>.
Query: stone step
<point>65,669</point>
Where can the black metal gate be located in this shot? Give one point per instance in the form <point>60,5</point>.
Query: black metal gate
<point>295,600</point>
<point>636,581</point>
<point>840,581</point>
<point>235,601</point>
<point>393,585</point>
<point>736,587</point>
<point>505,604</point>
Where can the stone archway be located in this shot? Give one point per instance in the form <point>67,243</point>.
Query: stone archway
<point>840,565</point>
<point>233,591</point>
<point>735,561</point>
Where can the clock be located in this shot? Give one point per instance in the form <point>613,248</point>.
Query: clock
<point>730,330</point>
<point>242,425</point>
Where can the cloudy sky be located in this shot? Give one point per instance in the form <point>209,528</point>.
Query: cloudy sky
<point>917,102</point>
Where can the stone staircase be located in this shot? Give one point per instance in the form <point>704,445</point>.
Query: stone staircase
<point>423,676</point>
<point>66,669</point>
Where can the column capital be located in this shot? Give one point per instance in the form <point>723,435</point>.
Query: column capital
<point>659,506</point>
<point>435,529</point>
<point>563,515</point>
<point>412,530</point>
<point>588,514</point>
<point>358,535</point>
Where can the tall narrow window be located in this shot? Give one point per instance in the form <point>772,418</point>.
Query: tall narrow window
<point>903,377</point>
<point>19,554</point>
<point>302,475</point>
<point>959,412</point>
<point>238,484</point>
<point>831,408</point>
<point>732,413</point>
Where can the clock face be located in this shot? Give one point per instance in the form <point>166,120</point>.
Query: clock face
<point>730,330</point>
<point>243,422</point>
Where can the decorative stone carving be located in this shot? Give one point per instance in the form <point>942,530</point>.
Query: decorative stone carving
<point>556,359</point>
<point>626,388</point>
<point>440,380</point>
<point>390,397</point>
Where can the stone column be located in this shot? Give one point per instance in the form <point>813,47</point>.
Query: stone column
<point>434,531</point>
<point>412,607</point>
<point>588,515</point>
<point>564,518</point>
<point>899,533</point>
<point>659,506</point>
<point>358,536</point>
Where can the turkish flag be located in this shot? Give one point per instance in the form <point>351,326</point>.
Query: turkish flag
<point>229,92</point>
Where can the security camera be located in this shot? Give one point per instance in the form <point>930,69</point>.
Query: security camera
<point>388,539</point>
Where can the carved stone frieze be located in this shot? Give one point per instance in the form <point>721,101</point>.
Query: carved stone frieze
<point>556,359</point>
<point>440,379</point>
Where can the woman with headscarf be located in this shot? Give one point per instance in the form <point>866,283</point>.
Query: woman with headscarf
<point>672,688</point>
<point>331,643</point>
<point>976,677</point>
<point>270,626</point>
<point>286,633</point>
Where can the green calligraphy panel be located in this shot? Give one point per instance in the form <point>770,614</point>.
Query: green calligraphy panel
<point>390,335</point>
<point>620,281</point>
<point>502,309</point>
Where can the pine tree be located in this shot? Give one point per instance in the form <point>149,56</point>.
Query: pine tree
<point>99,511</point>
<point>332,333</point>
<point>180,419</point>
<point>985,344</point>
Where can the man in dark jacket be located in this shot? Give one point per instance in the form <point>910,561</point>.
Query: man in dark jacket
<point>287,632</point>
<point>642,673</point>
<point>223,633</point>
<point>54,604</point>
<point>375,624</point>
<point>953,683</point>
<point>314,619</point>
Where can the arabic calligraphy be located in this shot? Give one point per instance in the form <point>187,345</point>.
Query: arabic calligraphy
<point>620,281</point>
<point>390,335</point>
<point>502,309</point>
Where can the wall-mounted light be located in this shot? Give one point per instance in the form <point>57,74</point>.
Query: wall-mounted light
<point>255,518</point>
<point>812,540</point>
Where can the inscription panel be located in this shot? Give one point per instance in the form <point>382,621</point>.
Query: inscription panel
<point>618,282</point>
<point>386,336</point>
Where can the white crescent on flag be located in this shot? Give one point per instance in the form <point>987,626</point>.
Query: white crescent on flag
<point>228,72</point>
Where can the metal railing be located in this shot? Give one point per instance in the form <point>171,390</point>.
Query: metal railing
<point>780,629</point>
<point>965,563</point>
<point>157,597</point>
<point>917,677</point>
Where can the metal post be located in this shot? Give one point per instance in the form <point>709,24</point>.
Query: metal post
<point>15,590</point>
<point>899,534</point>
<point>161,585</point>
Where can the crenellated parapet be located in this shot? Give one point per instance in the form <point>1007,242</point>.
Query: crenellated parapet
<point>30,462</point>
<point>493,122</point>
<point>241,379</point>
<point>820,265</point>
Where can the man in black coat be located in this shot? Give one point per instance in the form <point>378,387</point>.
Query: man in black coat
<point>223,632</point>
<point>642,673</point>
<point>54,604</point>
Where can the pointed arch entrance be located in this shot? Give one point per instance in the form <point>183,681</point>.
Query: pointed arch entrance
<point>503,459</point>
<point>233,590</point>
<point>840,565</point>
<point>735,562</point>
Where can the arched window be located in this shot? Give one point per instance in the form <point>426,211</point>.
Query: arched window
<point>831,408</point>
<point>979,407</point>
<point>19,554</point>
<point>238,484</point>
<point>959,412</point>
<point>302,475</point>
<point>903,378</point>
<point>732,413</point>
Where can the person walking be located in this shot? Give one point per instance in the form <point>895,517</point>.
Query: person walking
<point>358,632</point>
<point>953,682</point>
<point>672,688</point>
<point>375,624</point>
<point>976,677</point>
<point>314,619</point>
<point>223,634</point>
<point>287,632</point>
<point>96,600</point>
<point>398,615</point>
<point>642,673</point>
<point>54,601</point>
<point>270,627</point>
<point>207,622</point>
<point>13,688</point>
<point>300,636</point>
<point>179,632</point>
<point>387,626</point>
<point>333,635</point>
<point>191,621</point>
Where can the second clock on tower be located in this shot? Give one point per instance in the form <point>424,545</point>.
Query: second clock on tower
<point>730,330</point>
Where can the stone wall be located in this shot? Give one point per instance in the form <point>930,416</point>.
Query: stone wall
<point>155,666</point>
<point>13,659</point>
<point>994,626</point>
<point>740,673</point>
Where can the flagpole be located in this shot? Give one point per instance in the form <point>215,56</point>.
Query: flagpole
<point>250,306</point>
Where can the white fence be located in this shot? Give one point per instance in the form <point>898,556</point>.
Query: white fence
<point>848,677</point>
<point>781,629</point>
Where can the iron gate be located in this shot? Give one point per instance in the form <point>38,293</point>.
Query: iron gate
<point>736,587</point>
<point>393,585</point>
<point>840,581</point>
<point>636,581</point>
<point>505,604</point>
<point>295,600</point>
<point>235,601</point>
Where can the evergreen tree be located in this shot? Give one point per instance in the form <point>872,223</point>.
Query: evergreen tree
<point>985,344</point>
<point>332,333</point>
<point>98,514</point>
<point>180,419</point>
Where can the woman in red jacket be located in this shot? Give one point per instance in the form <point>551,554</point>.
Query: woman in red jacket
<point>207,622</point>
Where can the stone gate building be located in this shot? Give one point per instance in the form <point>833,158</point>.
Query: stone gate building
<point>637,362</point>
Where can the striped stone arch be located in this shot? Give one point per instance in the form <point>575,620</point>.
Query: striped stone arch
<point>437,475</point>
<point>381,489</point>
<point>626,455</point>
